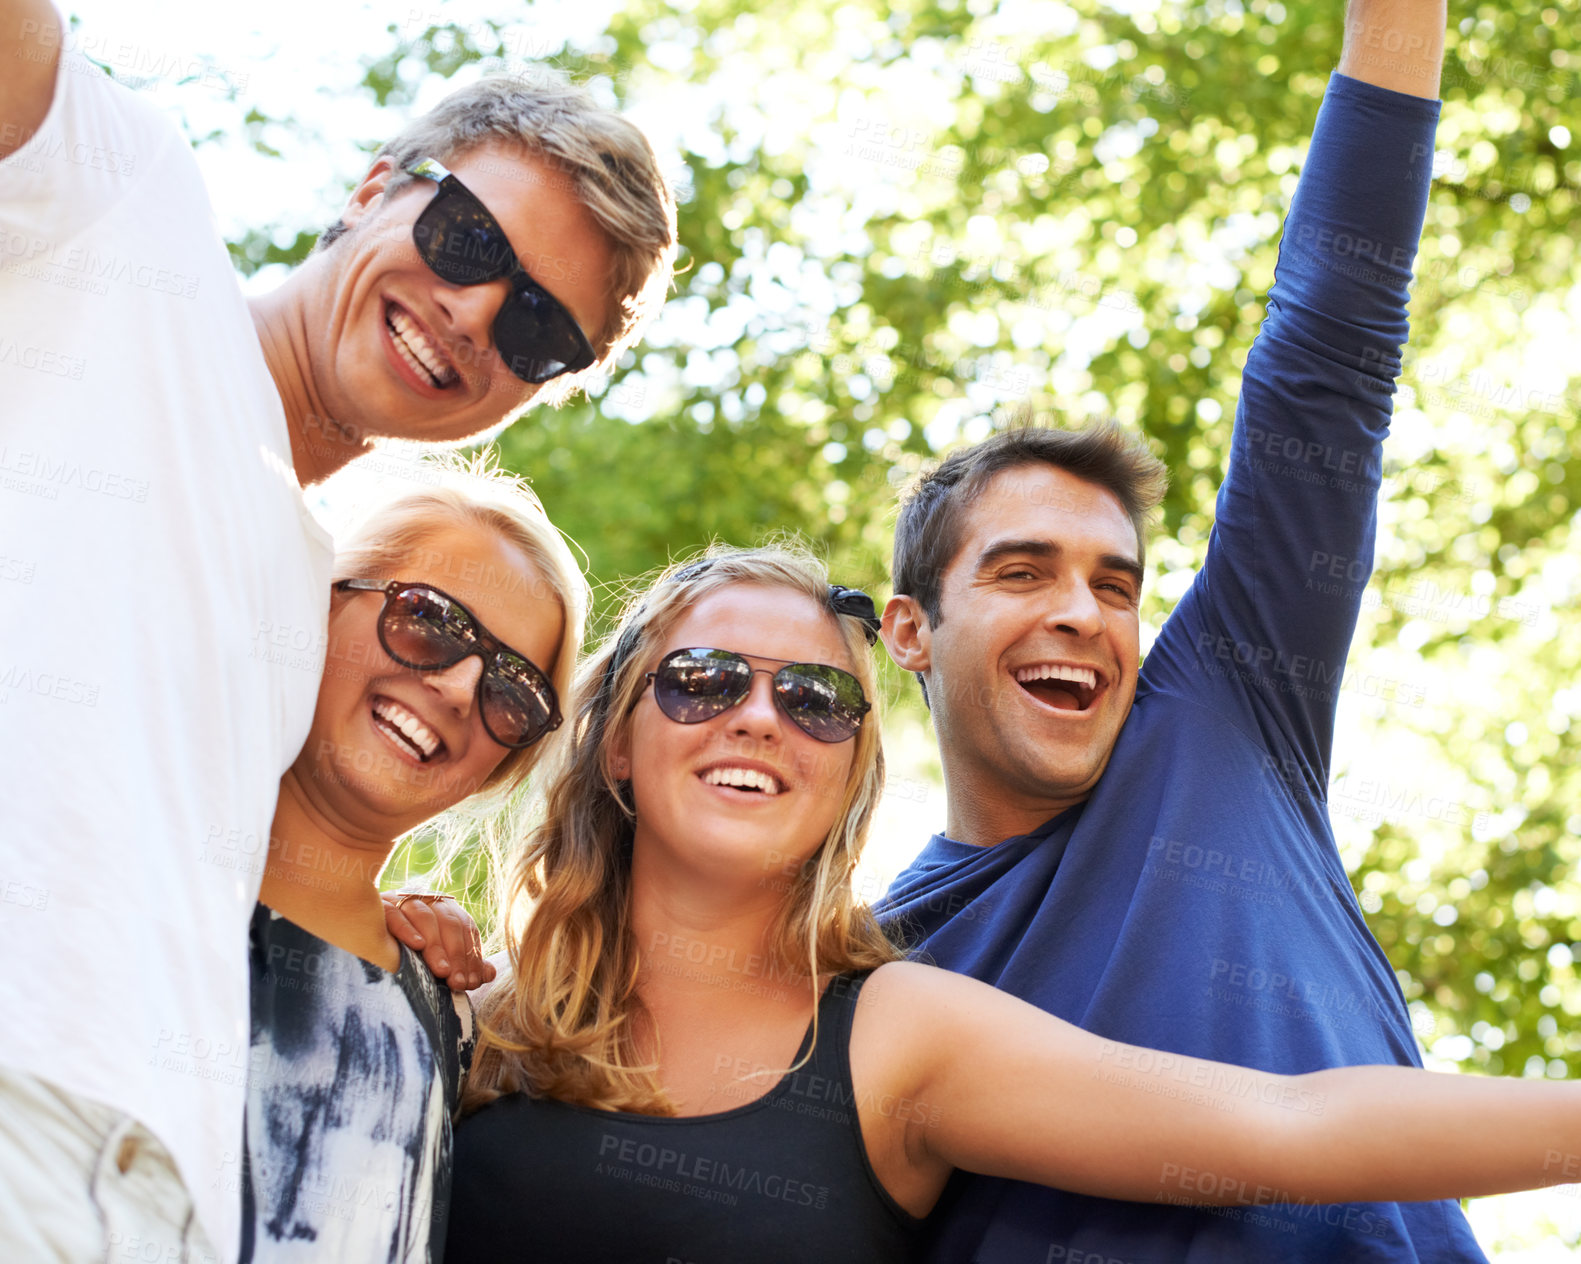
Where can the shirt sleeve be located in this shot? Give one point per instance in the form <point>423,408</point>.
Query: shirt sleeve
<point>97,141</point>
<point>1264,630</point>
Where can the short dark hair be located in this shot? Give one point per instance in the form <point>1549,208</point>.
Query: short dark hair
<point>928,533</point>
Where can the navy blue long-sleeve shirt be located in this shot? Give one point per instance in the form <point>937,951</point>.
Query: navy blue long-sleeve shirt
<point>1196,902</point>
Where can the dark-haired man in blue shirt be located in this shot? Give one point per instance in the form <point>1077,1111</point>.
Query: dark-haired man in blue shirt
<point>1148,853</point>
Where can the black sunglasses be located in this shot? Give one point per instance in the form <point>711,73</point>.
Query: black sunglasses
<point>428,630</point>
<point>463,244</point>
<point>694,685</point>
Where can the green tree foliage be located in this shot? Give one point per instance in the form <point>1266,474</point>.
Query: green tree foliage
<point>901,220</point>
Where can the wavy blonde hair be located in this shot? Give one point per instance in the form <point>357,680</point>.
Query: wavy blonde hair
<point>393,537</point>
<point>565,1026</point>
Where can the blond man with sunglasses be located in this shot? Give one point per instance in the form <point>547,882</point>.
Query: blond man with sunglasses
<point>162,654</point>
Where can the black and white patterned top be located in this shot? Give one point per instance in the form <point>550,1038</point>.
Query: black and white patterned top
<point>354,1077</point>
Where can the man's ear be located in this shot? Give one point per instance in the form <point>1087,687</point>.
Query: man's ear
<point>368,192</point>
<point>907,634</point>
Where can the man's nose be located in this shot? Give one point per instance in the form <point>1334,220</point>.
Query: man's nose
<point>470,311</point>
<point>1075,609</point>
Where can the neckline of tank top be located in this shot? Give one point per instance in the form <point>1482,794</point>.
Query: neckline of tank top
<point>779,1088</point>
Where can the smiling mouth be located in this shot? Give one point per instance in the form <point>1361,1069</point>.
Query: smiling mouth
<point>1062,687</point>
<point>421,355</point>
<point>751,780</point>
<point>407,731</point>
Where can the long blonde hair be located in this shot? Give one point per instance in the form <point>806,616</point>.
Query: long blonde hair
<point>564,1025</point>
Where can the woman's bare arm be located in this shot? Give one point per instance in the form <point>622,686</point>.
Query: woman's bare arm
<point>1015,1092</point>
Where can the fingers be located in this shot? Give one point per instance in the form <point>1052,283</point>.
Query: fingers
<point>422,915</point>
<point>399,925</point>
<point>437,955</point>
<point>411,919</point>
<point>439,928</point>
<point>459,934</point>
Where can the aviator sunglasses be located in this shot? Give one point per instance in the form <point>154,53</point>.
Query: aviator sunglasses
<point>428,630</point>
<point>463,244</point>
<point>694,685</point>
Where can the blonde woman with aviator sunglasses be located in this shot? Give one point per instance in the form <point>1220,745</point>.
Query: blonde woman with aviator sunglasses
<point>706,1050</point>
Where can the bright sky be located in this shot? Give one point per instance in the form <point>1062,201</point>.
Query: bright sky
<point>287,58</point>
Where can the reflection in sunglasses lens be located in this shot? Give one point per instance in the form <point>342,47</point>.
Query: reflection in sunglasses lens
<point>826,703</point>
<point>511,709</point>
<point>462,242</point>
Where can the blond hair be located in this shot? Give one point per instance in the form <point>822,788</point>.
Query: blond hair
<point>564,1026</point>
<point>475,492</point>
<point>602,160</point>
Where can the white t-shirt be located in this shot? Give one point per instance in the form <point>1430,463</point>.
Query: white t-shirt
<point>163,603</point>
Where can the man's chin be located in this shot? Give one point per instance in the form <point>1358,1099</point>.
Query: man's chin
<point>1061,779</point>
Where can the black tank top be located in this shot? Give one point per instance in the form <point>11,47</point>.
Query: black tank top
<point>783,1178</point>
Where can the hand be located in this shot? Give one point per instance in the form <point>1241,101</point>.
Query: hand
<point>439,928</point>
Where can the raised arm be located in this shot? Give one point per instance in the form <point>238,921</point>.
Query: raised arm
<point>1263,634</point>
<point>1011,1091</point>
<point>29,51</point>
<point>1395,44</point>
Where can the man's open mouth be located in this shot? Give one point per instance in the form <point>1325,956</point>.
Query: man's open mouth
<point>1059,685</point>
<point>421,355</point>
<point>406,730</point>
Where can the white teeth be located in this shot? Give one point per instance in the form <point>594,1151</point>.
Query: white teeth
<point>742,778</point>
<point>416,350</point>
<point>1058,671</point>
<point>412,361</point>
<point>409,726</point>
